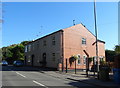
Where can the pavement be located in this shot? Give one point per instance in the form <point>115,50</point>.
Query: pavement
<point>81,77</point>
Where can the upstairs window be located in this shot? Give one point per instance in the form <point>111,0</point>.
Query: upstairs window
<point>53,40</point>
<point>53,56</point>
<point>33,46</point>
<point>44,43</point>
<point>83,41</point>
<point>29,47</point>
<point>37,45</point>
<point>79,61</point>
<point>26,48</point>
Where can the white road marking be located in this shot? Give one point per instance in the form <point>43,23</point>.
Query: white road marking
<point>39,84</point>
<point>21,74</point>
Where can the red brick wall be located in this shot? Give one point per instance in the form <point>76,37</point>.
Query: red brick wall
<point>73,44</point>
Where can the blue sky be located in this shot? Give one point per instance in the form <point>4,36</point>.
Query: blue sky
<point>31,20</point>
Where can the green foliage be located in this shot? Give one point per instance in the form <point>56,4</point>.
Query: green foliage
<point>25,42</point>
<point>0,54</point>
<point>110,55</point>
<point>117,49</point>
<point>75,57</point>
<point>18,51</point>
<point>103,63</point>
<point>90,59</point>
<point>72,59</point>
<point>14,52</point>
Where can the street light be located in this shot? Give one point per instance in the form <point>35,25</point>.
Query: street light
<point>96,38</point>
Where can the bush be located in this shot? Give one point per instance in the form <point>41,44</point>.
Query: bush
<point>90,59</point>
<point>72,59</point>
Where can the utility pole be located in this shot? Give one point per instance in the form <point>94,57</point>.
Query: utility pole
<point>96,38</point>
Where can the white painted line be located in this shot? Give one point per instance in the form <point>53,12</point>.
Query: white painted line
<point>39,84</point>
<point>21,74</point>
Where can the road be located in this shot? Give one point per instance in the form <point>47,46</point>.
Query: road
<point>31,77</point>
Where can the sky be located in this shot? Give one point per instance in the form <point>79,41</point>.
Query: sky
<point>25,21</point>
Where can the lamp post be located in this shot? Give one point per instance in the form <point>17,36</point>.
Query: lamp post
<point>96,38</point>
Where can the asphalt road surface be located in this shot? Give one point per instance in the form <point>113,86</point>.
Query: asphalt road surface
<point>30,77</point>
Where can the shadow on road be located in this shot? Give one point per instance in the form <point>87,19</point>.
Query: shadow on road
<point>25,68</point>
<point>90,84</point>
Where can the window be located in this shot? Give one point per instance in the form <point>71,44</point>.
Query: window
<point>84,60</point>
<point>101,58</point>
<point>44,43</point>
<point>53,56</point>
<point>37,45</point>
<point>29,58</point>
<point>84,41</point>
<point>53,40</point>
<point>95,60</point>
<point>26,48</point>
<point>29,47</point>
<point>79,62</point>
<point>33,46</point>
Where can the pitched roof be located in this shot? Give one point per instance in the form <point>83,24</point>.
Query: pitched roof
<point>61,30</point>
<point>46,36</point>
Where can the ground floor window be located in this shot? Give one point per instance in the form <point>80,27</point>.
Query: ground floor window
<point>53,56</point>
<point>84,60</point>
<point>29,58</point>
<point>95,60</point>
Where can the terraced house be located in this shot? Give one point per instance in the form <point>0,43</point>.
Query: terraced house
<point>52,50</point>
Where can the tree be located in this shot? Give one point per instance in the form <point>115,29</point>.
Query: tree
<point>110,55</point>
<point>13,52</point>
<point>0,54</point>
<point>117,49</point>
<point>18,52</point>
<point>24,42</point>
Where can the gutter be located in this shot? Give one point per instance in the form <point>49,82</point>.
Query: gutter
<point>62,46</point>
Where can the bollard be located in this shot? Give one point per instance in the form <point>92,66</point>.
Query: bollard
<point>66,66</point>
<point>75,66</point>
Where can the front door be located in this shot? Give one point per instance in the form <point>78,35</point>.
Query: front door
<point>32,61</point>
<point>44,60</point>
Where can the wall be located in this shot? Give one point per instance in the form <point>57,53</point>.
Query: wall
<point>37,49</point>
<point>73,44</point>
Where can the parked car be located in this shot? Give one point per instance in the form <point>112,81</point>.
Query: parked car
<point>4,63</point>
<point>18,63</point>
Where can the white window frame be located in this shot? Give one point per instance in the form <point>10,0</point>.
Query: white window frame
<point>84,59</point>
<point>26,48</point>
<point>29,47</point>
<point>53,40</point>
<point>83,41</point>
<point>29,59</point>
<point>95,60</point>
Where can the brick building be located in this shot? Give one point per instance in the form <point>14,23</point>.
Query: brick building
<point>53,49</point>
